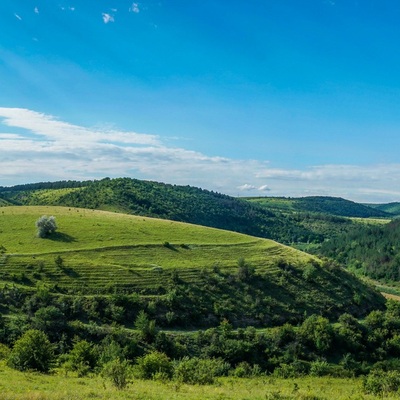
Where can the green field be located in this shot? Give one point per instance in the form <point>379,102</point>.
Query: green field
<point>16,385</point>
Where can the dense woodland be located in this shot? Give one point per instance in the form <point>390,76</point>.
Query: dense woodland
<point>372,250</point>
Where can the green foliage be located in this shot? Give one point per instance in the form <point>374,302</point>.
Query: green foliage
<point>46,226</point>
<point>49,319</point>
<point>59,262</point>
<point>4,352</point>
<point>145,326</point>
<point>197,371</point>
<point>317,332</point>
<point>154,365</point>
<point>371,250</point>
<point>319,368</point>
<point>82,358</point>
<point>245,271</point>
<point>32,351</point>
<point>118,372</point>
<point>382,383</point>
<point>245,370</point>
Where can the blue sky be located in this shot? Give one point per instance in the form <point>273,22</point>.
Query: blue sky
<point>272,97</point>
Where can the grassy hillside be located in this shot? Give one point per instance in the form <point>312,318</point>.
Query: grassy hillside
<point>216,274</point>
<point>17,385</point>
<point>179,203</point>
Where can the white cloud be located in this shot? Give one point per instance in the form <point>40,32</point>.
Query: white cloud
<point>36,10</point>
<point>107,18</point>
<point>134,8</point>
<point>246,187</point>
<point>18,17</point>
<point>36,147</point>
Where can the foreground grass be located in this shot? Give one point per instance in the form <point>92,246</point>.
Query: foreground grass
<point>16,385</point>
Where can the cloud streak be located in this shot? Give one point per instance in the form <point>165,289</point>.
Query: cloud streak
<point>107,18</point>
<point>37,147</point>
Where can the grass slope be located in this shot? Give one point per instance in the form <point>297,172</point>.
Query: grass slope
<point>104,248</point>
<point>102,252</point>
<point>29,386</point>
<point>179,203</point>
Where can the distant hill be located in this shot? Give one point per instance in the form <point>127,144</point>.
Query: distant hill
<point>153,199</point>
<point>391,208</point>
<point>323,205</point>
<point>372,250</point>
<point>195,275</point>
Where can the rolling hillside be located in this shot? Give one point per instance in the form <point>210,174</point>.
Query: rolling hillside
<point>371,250</point>
<point>322,205</point>
<point>199,274</point>
<point>178,203</point>
<point>391,208</point>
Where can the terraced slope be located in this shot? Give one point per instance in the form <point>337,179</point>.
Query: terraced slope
<point>104,244</point>
<point>98,252</point>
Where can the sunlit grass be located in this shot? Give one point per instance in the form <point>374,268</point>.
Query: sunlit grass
<point>102,248</point>
<point>32,386</point>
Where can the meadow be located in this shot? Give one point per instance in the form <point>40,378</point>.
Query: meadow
<point>16,385</point>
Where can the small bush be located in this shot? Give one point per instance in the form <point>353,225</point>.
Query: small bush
<point>82,359</point>
<point>154,365</point>
<point>4,351</point>
<point>293,370</point>
<point>118,371</point>
<point>319,368</point>
<point>245,370</point>
<point>45,226</point>
<point>381,383</point>
<point>199,371</point>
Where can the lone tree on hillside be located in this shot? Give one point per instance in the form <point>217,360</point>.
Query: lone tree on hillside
<point>45,226</point>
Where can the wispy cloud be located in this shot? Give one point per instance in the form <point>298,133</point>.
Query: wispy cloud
<point>107,18</point>
<point>36,10</point>
<point>252,188</point>
<point>134,8</point>
<point>36,147</point>
<point>18,17</point>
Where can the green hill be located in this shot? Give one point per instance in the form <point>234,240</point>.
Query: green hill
<point>390,208</point>
<point>178,203</point>
<point>186,274</point>
<point>322,205</point>
<point>372,250</point>
<point>325,217</point>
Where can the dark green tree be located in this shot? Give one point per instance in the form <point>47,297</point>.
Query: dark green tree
<point>32,350</point>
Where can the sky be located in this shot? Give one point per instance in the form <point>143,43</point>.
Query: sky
<point>249,98</point>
